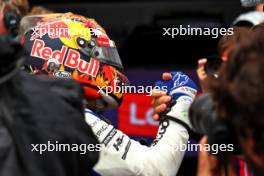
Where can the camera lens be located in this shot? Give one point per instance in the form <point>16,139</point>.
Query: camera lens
<point>213,65</point>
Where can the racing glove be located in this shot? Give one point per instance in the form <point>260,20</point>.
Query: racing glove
<point>183,91</point>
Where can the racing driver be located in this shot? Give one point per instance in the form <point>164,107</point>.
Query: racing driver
<point>70,46</point>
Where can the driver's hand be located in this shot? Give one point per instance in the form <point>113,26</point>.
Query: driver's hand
<point>160,99</point>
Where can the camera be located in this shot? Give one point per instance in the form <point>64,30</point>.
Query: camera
<point>11,21</point>
<point>213,65</point>
<point>206,121</point>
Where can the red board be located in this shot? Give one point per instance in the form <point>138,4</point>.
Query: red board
<point>135,116</point>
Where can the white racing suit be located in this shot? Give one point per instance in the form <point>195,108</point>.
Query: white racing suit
<point>123,156</point>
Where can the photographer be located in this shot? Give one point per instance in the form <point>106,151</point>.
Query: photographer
<point>238,97</point>
<point>207,69</point>
<point>11,12</point>
<point>237,105</point>
<point>35,110</point>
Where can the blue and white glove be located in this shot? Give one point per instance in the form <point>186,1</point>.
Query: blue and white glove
<point>183,91</point>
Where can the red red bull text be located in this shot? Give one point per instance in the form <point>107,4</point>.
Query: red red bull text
<point>66,56</point>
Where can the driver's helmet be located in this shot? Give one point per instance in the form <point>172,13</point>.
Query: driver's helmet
<point>72,46</point>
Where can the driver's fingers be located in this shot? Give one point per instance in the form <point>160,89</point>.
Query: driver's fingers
<point>166,76</point>
<point>161,108</point>
<point>161,100</point>
<point>156,117</point>
<point>156,93</point>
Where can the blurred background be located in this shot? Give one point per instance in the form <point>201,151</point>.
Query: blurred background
<point>137,28</point>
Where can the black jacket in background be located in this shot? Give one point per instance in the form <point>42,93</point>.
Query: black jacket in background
<point>41,110</point>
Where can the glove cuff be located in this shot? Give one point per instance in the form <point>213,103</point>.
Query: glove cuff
<point>180,111</point>
<point>184,90</point>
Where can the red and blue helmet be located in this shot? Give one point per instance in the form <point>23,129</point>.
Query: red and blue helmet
<point>72,46</point>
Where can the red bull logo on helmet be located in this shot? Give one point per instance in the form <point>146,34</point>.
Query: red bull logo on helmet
<point>66,56</point>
